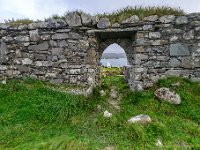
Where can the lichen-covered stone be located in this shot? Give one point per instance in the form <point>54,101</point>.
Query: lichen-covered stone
<point>34,36</point>
<point>182,20</point>
<point>73,20</point>
<point>132,19</point>
<point>86,19</point>
<point>167,18</point>
<point>151,18</point>
<point>103,23</point>
<point>165,95</point>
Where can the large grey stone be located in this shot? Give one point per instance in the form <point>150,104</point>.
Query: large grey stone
<point>86,19</point>
<point>73,20</point>
<point>3,26</point>
<point>188,35</point>
<point>165,95</point>
<point>132,19</point>
<point>22,38</point>
<point>60,36</point>
<point>167,18</point>
<point>179,49</point>
<point>187,62</point>
<point>34,36</point>
<point>56,51</point>
<point>154,35</point>
<point>26,61</point>
<point>182,20</point>
<point>40,47</point>
<point>43,63</point>
<point>103,23</point>
<point>174,62</point>
<point>151,18</point>
<point>3,52</point>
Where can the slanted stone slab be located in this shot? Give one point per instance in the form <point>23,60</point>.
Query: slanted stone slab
<point>73,20</point>
<point>179,49</point>
<point>103,23</point>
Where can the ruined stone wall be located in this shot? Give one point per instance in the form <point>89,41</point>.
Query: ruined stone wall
<point>69,50</point>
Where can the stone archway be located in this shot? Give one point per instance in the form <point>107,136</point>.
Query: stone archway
<point>101,39</point>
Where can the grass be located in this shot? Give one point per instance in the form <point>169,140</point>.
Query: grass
<point>33,115</point>
<point>124,13</point>
<point>115,16</point>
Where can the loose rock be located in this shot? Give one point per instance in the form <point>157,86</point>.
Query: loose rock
<point>165,95</point>
<point>107,114</point>
<point>143,119</point>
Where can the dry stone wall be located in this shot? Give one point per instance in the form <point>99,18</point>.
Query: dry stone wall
<point>69,50</point>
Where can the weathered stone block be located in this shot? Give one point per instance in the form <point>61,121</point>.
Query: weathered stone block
<point>167,18</point>
<point>151,18</point>
<point>57,51</point>
<point>86,19</point>
<point>179,49</point>
<point>182,20</point>
<point>73,20</point>
<point>154,35</point>
<point>103,23</point>
<point>34,36</point>
<point>40,47</point>
<point>174,62</point>
<point>132,19</point>
<point>60,36</point>
<point>22,38</point>
<point>26,61</point>
<point>188,35</point>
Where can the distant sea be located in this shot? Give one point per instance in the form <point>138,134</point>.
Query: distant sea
<point>120,62</point>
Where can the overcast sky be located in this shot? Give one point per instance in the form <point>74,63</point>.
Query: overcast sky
<point>39,9</point>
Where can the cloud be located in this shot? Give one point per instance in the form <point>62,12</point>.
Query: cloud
<point>40,9</point>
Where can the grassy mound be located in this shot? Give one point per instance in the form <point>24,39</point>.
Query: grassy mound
<point>33,115</point>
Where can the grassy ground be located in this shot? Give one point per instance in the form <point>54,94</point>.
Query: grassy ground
<point>35,116</point>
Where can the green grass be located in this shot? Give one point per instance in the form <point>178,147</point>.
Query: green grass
<point>124,13</point>
<point>33,115</point>
<point>115,16</point>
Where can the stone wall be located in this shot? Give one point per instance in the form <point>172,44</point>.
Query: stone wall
<point>69,50</point>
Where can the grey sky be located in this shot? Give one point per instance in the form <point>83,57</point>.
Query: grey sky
<point>39,9</point>
<point>114,48</point>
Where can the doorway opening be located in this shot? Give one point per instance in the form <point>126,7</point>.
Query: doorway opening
<point>113,61</point>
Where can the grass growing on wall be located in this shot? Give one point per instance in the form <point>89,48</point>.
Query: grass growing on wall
<point>124,13</point>
<point>115,16</point>
<point>35,116</point>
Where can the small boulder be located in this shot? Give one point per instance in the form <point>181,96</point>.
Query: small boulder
<point>113,93</point>
<point>107,114</point>
<point>164,94</point>
<point>143,119</point>
<point>132,19</point>
<point>3,82</point>
<point>103,93</point>
<point>159,143</point>
<point>103,23</point>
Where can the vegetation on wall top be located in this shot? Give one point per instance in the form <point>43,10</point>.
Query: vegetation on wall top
<point>115,16</point>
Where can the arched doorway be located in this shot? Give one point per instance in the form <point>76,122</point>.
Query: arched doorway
<point>114,56</point>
